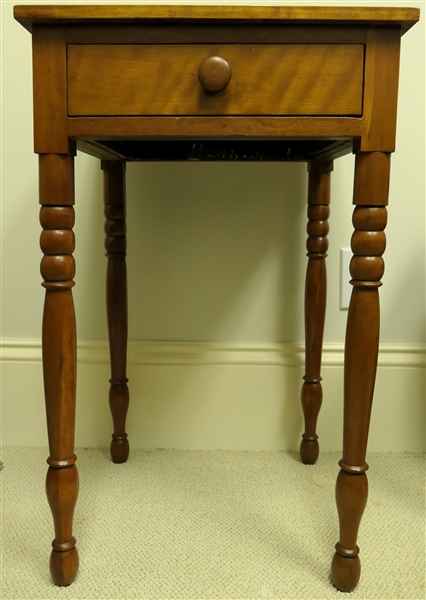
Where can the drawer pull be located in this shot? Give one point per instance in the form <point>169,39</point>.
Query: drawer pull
<point>214,74</point>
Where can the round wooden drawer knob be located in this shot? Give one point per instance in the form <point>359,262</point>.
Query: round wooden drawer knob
<point>214,74</point>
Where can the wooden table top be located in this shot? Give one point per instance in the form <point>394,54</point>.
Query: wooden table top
<point>321,15</point>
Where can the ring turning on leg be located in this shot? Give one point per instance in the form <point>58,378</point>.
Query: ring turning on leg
<point>116,299</point>
<point>59,355</point>
<point>361,352</point>
<point>315,301</point>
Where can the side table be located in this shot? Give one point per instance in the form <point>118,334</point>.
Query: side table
<point>129,83</point>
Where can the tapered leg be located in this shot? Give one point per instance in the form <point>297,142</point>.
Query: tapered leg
<point>59,355</point>
<point>315,301</point>
<point>361,351</point>
<point>116,296</point>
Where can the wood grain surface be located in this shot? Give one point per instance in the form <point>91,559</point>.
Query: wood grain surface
<point>406,17</point>
<point>311,79</point>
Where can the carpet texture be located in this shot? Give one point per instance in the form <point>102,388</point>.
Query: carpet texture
<point>212,525</point>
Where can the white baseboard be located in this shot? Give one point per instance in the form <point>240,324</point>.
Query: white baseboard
<point>209,353</point>
<point>240,396</point>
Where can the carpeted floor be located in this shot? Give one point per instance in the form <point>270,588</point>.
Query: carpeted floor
<point>212,525</point>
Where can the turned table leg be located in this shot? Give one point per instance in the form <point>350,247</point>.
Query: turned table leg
<point>315,301</point>
<point>361,352</point>
<point>59,355</point>
<point>116,299</point>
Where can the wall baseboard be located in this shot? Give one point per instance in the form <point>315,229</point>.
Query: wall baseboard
<point>205,396</point>
<point>209,353</point>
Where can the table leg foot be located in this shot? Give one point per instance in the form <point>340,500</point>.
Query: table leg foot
<point>309,450</point>
<point>345,572</point>
<point>119,403</point>
<point>119,449</point>
<point>64,566</point>
<point>311,403</point>
<point>62,492</point>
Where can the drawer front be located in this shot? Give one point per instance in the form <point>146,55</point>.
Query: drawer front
<point>290,79</point>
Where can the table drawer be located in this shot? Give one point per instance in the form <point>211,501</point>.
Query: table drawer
<point>269,79</point>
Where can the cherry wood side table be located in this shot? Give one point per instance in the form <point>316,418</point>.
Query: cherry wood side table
<point>214,83</point>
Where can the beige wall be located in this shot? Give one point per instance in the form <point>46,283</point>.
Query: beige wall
<point>215,255</point>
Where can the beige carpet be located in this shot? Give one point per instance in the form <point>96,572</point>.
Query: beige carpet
<point>212,525</point>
